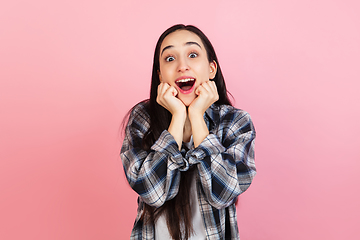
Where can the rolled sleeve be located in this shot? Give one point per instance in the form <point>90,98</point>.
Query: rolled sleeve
<point>211,145</point>
<point>166,144</point>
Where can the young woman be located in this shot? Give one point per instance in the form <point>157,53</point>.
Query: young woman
<point>187,152</point>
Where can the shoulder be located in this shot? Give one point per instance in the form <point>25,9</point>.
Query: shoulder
<point>228,113</point>
<point>140,108</point>
<point>231,119</point>
<point>139,114</point>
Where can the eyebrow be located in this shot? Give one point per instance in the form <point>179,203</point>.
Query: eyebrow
<point>187,43</point>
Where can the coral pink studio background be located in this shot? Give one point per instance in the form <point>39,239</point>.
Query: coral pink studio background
<point>70,70</point>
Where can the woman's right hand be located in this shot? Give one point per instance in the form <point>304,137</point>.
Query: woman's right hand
<point>167,98</point>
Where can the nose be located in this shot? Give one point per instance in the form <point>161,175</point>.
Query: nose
<point>182,65</point>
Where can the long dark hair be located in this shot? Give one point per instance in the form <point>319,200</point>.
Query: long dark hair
<point>178,209</point>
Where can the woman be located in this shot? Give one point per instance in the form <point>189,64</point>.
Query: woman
<point>187,152</point>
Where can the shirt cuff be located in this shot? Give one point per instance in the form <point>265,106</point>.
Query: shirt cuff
<point>166,144</point>
<point>209,146</point>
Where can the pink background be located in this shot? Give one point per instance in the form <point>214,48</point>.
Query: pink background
<point>70,70</point>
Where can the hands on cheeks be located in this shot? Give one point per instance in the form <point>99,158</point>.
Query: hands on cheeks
<point>206,93</point>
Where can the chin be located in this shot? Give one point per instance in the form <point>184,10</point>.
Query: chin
<point>187,101</point>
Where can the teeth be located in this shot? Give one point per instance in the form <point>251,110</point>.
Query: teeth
<point>185,80</point>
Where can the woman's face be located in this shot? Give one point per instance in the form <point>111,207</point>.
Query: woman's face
<point>184,64</point>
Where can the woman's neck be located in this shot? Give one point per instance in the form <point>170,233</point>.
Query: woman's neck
<point>187,130</point>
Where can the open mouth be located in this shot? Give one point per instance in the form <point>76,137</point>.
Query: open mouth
<point>185,84</point>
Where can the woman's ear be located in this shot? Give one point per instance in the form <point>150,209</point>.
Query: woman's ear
<point>213,69</point>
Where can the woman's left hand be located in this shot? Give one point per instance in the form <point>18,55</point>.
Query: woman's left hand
<point>207,95</point>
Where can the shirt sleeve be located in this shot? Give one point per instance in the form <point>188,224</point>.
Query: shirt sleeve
<point>225,159</point>
<point>153,174</point>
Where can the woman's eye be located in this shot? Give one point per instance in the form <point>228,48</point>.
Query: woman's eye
<point>193,55</point>
<point>170,59</point>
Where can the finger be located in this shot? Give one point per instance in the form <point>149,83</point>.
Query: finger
<point>162,88</point>
<point>173,91</point>
<point>214,90</point>
<point>199,90</point>
<point>161,92</point>
<point>169,92</point>
<point>204,89</point>
<point>208,91</point>
<point>206,85</point>
<point>212,85</point>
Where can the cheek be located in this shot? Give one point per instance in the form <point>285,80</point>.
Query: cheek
<point>165,74</point>
<point>204,73</point>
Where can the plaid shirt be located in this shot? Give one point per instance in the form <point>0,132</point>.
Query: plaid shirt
<point>224,162</point>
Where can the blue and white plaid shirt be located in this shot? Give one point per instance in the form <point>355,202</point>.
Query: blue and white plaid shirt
<point>224,161</point>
